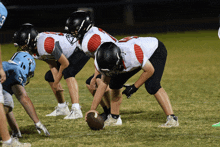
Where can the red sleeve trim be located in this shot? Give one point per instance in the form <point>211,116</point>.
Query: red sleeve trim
<point>49,45</point>
<point>94,43</point>
<point>139,53</point>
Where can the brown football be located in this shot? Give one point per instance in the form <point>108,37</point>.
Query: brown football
<point>95,121</point>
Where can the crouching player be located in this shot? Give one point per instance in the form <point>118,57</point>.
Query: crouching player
<point>19,69</point>
<point>117,62</point>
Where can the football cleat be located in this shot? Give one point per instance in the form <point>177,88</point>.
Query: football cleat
<point>112,122</point>
<point>74,114</point>
<point>15,143</point>
<point>104,116</point>
<point>60,111</point>
<point>216,125</point>
<point>16,134</point>
<point>172,121</point>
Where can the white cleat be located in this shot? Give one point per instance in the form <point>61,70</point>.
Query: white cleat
<point>16,143</point>
<point>74,114</point>
<point>172,121</point>
<point>113,122</point>
<point>60,111</point>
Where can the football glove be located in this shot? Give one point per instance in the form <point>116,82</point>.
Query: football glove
<point>39,126</point>
<point>129,90</point>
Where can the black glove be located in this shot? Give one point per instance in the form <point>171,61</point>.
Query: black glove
<point>130,89</point>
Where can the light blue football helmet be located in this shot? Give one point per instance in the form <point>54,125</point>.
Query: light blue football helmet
<point>26,62</point>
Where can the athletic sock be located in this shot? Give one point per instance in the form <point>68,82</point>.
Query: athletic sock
<point>76,105</point>
<point>7,141</point>
<point>106,110</point>
<point>62,105</point>
<point>115,116</point>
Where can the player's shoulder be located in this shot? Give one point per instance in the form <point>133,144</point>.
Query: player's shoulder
<point>11,66</point>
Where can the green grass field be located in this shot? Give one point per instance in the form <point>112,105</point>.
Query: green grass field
<point>190,79</point>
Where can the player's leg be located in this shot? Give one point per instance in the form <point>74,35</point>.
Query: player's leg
<point>8,106</point>
<point>62,107</point>
<point>114,118</point>
<point>116,84</point>
<point>75,112</point>
<point>76,62</point>
<point>153,86</point>
<point>13,125</point>
<point>6,138</point>
<point>3,125</point>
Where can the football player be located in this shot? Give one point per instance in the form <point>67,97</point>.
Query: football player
<point>6,139</point>
<point>88,38</point>
<point>117,62</point>
<point>63,58</point>
<point>19,70</point>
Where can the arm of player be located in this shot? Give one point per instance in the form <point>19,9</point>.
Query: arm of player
<point>21,95</point>
<point>99,94</point>
<point>93,80</point>
<point>53,67</point>
<point>148,72</point>
<point>64,63</point>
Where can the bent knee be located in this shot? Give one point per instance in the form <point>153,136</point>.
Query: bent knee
<point>152,89</point>
<point>49,76</point>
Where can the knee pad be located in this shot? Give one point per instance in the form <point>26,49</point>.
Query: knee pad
<point>49,76</point>
<point>152,88</point>
<point>89,80</point>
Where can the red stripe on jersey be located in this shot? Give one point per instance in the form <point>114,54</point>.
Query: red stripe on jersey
<point>94,43</point>
<point>139,53</point>
<point>49,45</point>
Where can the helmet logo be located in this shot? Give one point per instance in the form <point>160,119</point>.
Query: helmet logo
<point>29,37</point>
<point>81,25</point>
<point>118,59</point>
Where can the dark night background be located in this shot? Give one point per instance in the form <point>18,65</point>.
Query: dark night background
<point>149,16</point>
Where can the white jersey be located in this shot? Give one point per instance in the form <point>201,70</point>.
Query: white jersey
<point>50,45</point>
<point>93,39</point>
<point>135,51</point>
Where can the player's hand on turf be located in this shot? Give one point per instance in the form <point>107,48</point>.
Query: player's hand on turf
<point>90,111</point>
<point>2,75</point>
<point>129,90</point>
<point>39,126</point>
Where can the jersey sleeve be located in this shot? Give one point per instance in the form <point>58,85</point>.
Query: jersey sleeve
<point>139,53</point>
<point>94,43</point>
<point>52,47</point>
<point>18,78</point>
<point>57,51</point>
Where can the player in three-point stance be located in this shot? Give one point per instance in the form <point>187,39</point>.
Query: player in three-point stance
<point>89,38</point>
<point>117,62</point>
<point>63,58</point>
<point>19,69</point>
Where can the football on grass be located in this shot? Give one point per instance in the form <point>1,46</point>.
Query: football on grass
<point>95,121</point>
